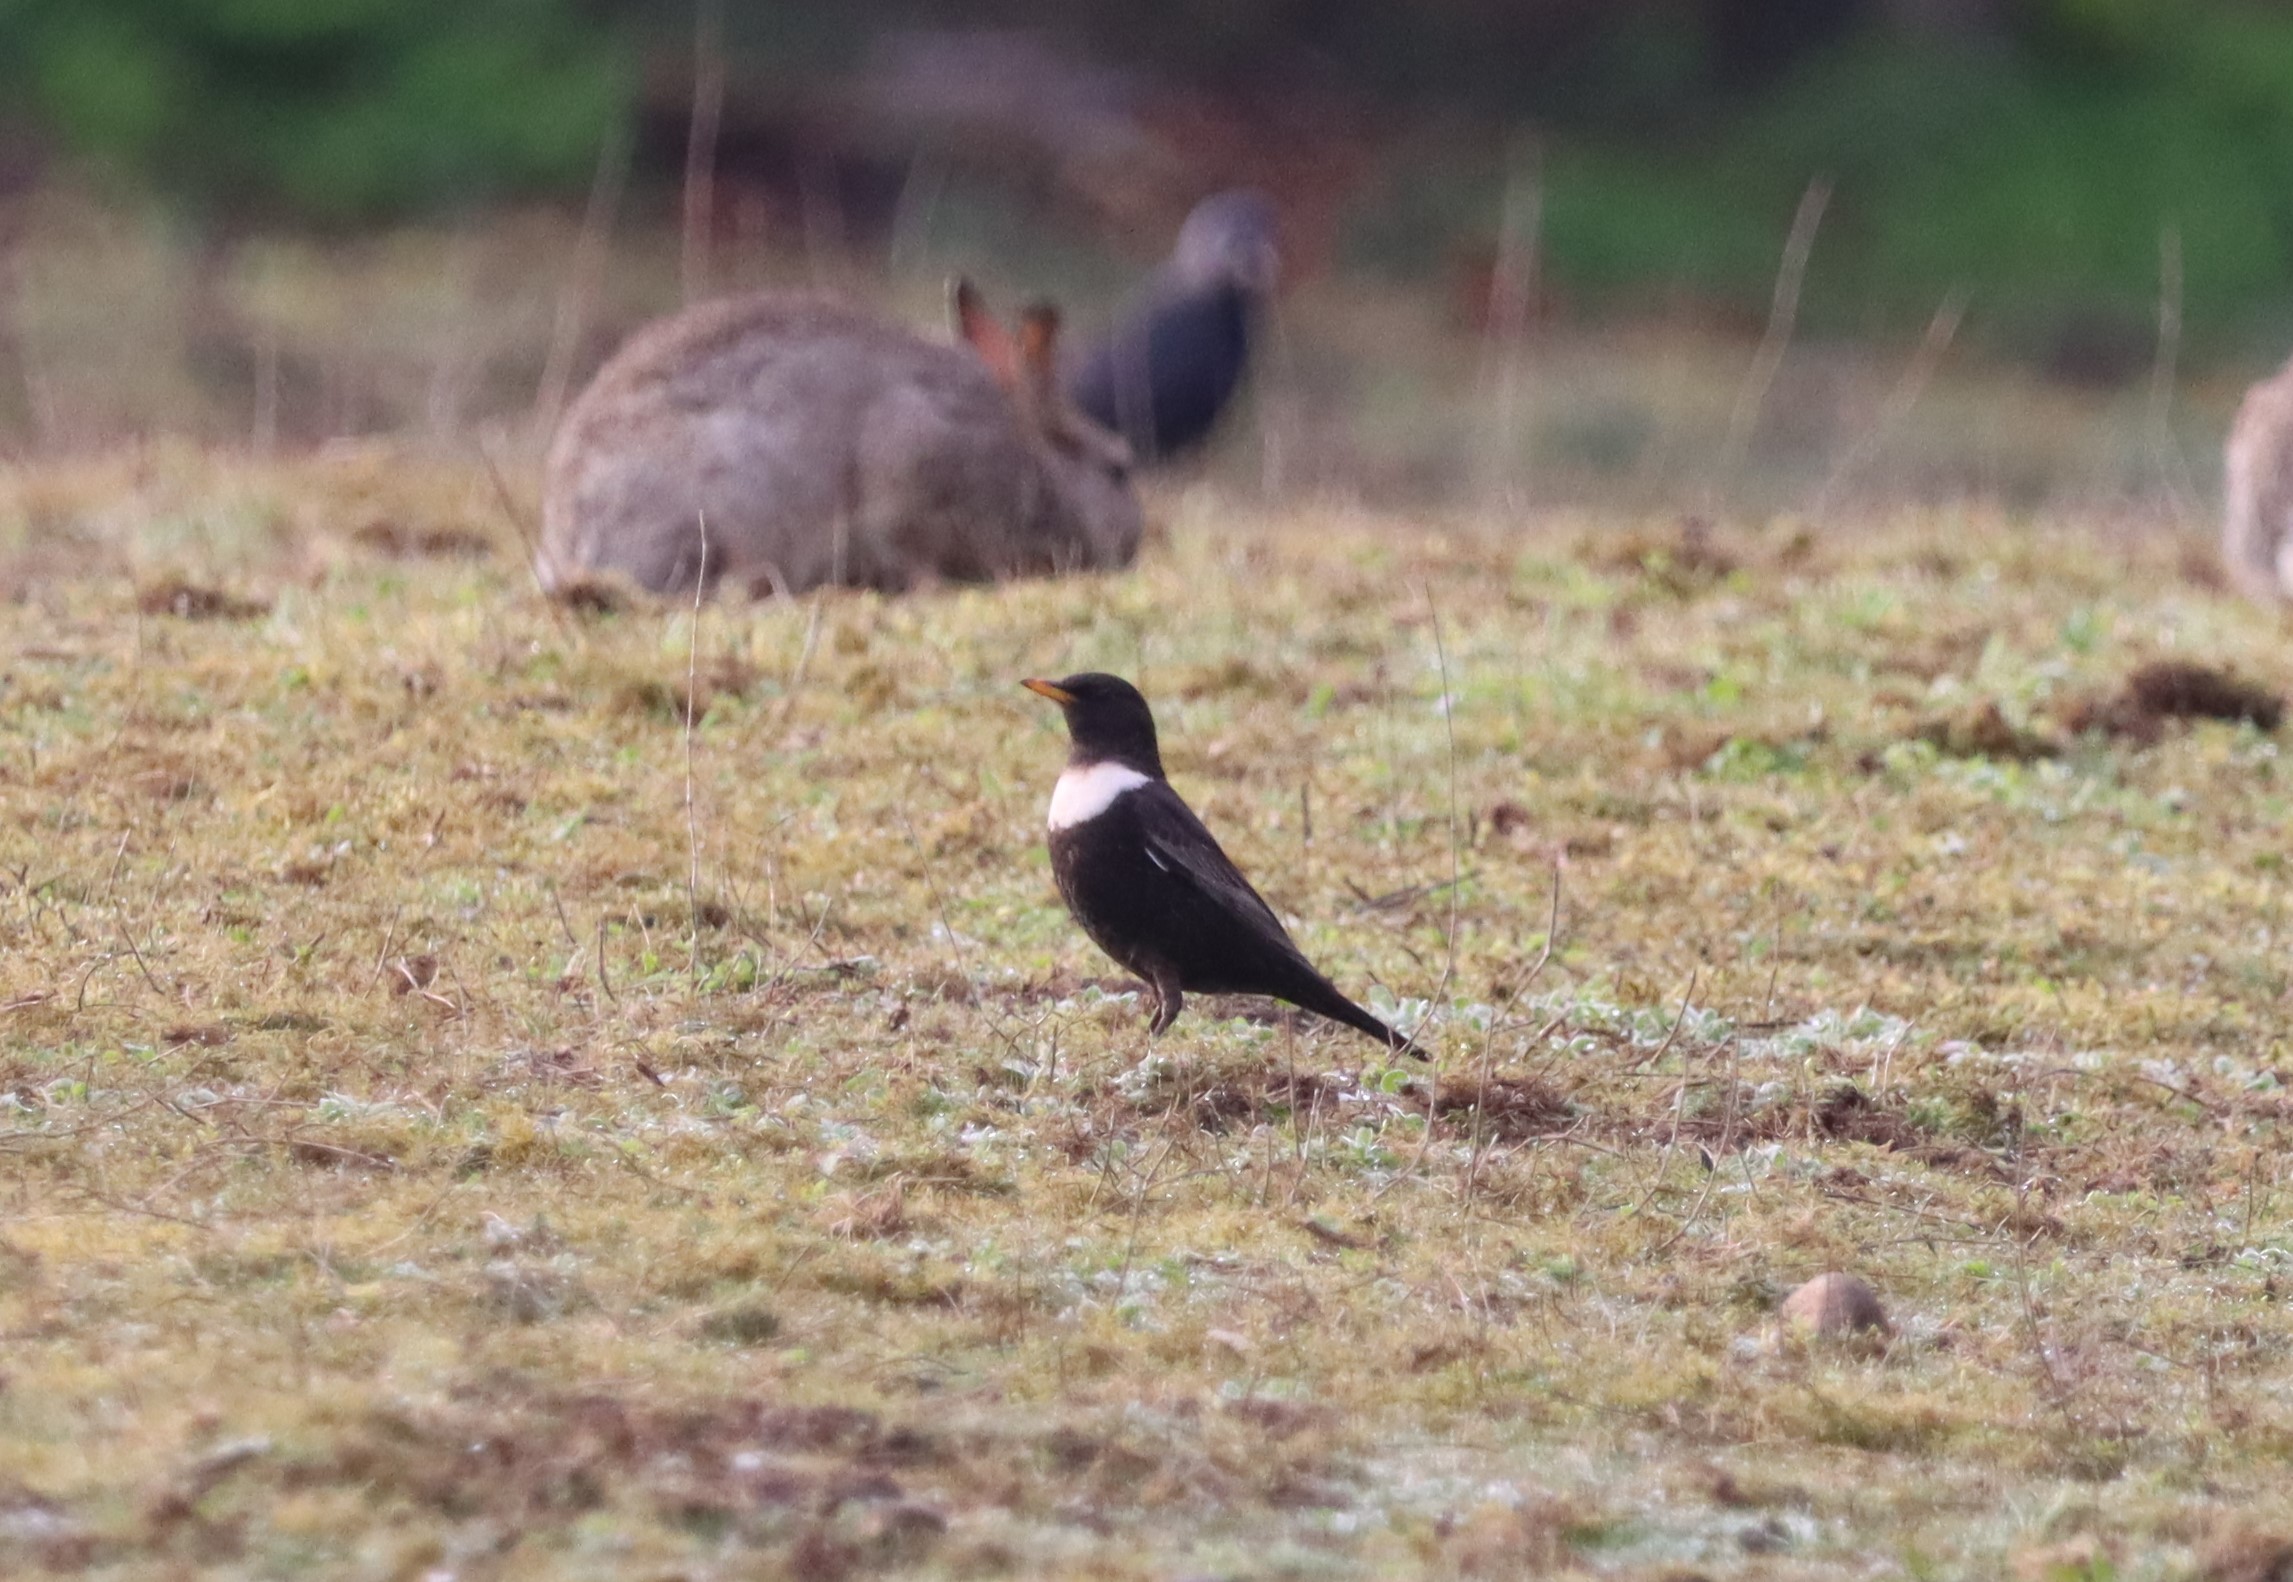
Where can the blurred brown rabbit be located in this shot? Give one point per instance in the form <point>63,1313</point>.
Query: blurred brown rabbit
<point>2257,492</point>
<point>820,445</point>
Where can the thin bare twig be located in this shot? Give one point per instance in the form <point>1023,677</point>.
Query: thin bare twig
<point>693,708</point>
<point>1672,1036</point>
<point>1456,854</point>
<point>1727,1136</point>
<point>604,980</point>
<point>1481,1138</point>
<point>557,902</point>
<point>141,965</point>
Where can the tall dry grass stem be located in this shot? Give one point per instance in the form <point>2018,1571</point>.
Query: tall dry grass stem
<point>1942,329</point>
<point>701,146</point>
<point>1456,852</point>
<point>692,708</point>
<point>528,540</point>
<point>1512,294</point>
<point>2173,467</point>
<point>584,274</point>
<point>1775,341</point>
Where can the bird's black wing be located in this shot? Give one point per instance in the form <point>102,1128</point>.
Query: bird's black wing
<point>1178,844</point>
<point>1237,943</point>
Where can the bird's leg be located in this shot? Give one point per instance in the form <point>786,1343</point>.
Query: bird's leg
<point>1168,998</point>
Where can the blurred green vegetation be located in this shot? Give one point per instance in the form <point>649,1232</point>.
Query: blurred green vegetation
<point>2051,160</point>
<point>2048,172</point>
<point>323,109</point>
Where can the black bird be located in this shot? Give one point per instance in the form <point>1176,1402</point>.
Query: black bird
<point>1149,884</point>
<point>1165,373</point>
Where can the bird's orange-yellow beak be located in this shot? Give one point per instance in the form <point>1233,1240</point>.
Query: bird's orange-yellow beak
<point>1049,689</point>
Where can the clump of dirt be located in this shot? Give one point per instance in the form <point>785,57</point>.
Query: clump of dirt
<point>1843,1113</point>
<point>1518,827</point>
<point>397,541</point>
<point>1514,1109</point>
<point>1534,1539</point>
<point>191,601</point>
<point>1687,747</point>
<point>2199,563</point>
<point>1929,656</point>
<point>1982,730</point>
<point>1236,677</point>
<point>2182,689</point>
<point>683,699</point>
<point>2174,689</point>
<point>1218,1101</point>
<point>1684,748</point>
<point>2246,1554</point>
<point>1683,563</point>
<point>818,1475</point>
<point>412,974</point>
<point>171,780</point>
<point>1848,1114</point>
<point>597,596</point>
<point>1222,1100</point>
<point>1508,820</point>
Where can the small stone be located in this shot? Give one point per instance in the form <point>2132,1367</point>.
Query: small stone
<point>1836,1307</point>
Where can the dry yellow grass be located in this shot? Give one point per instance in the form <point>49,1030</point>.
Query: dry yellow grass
<point>453,1121</point>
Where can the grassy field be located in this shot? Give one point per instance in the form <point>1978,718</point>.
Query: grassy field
<point>464,1114</point>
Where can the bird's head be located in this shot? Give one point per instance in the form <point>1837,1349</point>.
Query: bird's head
<point>1107,720</point>
<point>1229,238</point>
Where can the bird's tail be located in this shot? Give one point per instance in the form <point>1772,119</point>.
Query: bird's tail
<point>1326,1001</point>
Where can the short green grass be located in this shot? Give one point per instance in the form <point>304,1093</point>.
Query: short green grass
<point>456,1121</point>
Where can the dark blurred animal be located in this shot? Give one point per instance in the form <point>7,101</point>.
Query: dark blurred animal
<point>2257,492</point>
<point>1167,370</point>
<point>778,442</point>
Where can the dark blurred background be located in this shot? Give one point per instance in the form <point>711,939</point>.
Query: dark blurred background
<point>302,219</point>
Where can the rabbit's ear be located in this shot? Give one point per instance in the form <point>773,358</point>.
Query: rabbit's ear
<point>976,326</point>
<point>1039,344</point>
